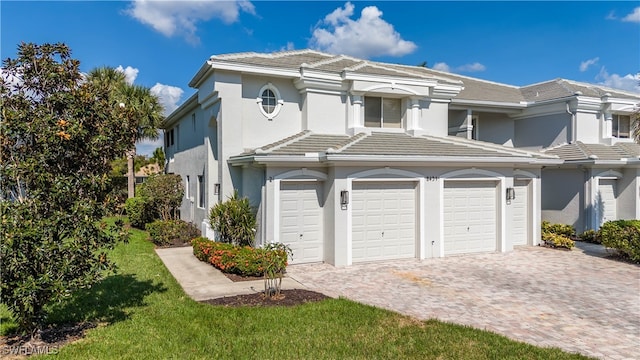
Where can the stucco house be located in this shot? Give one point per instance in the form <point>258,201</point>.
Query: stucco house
<point>349,160</point>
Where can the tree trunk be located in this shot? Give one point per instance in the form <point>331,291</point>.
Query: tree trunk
<point>131,176</point>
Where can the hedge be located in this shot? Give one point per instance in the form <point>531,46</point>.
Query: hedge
<point>623,236</point>
<point>172,232</point>
<point>232,259</point>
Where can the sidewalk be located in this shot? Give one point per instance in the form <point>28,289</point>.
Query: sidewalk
<point>201,281</point>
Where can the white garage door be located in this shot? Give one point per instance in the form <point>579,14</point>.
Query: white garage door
<point>383,221</point>
<point>607,201</point>
<point>469,217</point>
<point>301,220</point>
<point>520,209</point>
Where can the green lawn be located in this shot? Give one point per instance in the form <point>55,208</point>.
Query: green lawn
<point>144,314</point>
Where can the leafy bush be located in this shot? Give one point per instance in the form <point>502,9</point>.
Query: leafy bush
<point>164,193</point>
<point>172,232</point>
<point>623,236</point>
<point>240,260</point>
<point>139,211</point>
<point>234,221</point>
<point>58,133</point>
<point>557,235</point>
<point>591,236</point>
<point>560,229</point>
<point>275,263</point>
<point>557,241</point>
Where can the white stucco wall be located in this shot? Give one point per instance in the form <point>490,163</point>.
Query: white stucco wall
<point>495,128</point>
<point>563,196</point>
<point>258,130</point>
<point>588,127</point>
<point>539,132</point>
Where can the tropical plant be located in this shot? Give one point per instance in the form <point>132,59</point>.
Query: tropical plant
<point>158,157</point>
<point>141,107</point>
<point>58,136</point>
<point>234,221</point>
<point>275,261</point>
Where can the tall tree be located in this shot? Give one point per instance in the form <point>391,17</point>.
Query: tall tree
<point>58,136</point>
<point>143,107</point>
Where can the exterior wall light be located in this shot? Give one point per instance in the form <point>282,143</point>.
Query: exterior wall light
<point>344,199</point>
<point>216,189</point>
<point>511,194</point>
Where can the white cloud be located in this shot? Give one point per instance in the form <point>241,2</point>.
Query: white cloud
<point>130,73</point>
<point>585,64</point>
<point>441,67</point>
<point>180,17</point>
<point>627,82</point>
<point>474,67</point>
<point>611,15</point>
<point>168,95</point>
<point>365,37</point>
<point>634,16</point>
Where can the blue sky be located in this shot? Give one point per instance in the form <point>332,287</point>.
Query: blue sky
<point>162,44</point>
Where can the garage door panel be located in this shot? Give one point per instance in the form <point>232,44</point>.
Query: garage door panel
<point>301,221</point>
<point>383,222</point>
<point>606,201</point>
<point>469,217</point>
<point>520,210</point>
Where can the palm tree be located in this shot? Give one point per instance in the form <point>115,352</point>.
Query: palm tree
<point>141,107</point>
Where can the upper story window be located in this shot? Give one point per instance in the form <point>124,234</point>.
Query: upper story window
<point>474,127</point>
<point>169,138</point>
<point>620,126</point>
<point>269,101</point>
<point>382,112</point>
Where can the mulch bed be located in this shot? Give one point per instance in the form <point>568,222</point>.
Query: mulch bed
<point>288,298</point>
<point>239,278</point>
<point>49,341</point>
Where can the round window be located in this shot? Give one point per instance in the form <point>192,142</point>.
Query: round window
<point>269,101</point>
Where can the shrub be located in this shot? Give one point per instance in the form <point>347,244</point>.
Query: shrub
<point>164,193</point>
<point>591,236</point>
<point>560,229</point>
<point>233,259</point>
<point>139,211</point>
<point>172,232</point>
<point>275,263</point>
<point>557,235</point>
<point>234,221</point>
<point>623,236</point>
<point>557,240</point>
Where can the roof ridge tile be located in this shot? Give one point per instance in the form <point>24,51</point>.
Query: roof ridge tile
<point>283,142</point>
<point>337,148</point>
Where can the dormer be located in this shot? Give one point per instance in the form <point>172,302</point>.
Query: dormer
<point>616,119</point>
<point>396,104</point>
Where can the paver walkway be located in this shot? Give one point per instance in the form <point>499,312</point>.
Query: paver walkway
<point>575,300</point>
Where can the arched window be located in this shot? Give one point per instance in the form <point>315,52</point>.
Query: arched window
<point>269,101</point>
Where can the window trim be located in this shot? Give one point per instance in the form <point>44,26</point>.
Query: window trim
<point>382,99</point>
<point>279,101</point>
<point>615,129</point>
<point>201,190</point>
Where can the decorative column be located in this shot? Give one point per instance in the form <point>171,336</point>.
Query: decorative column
<point>357,110</point>
<point>414,122</point>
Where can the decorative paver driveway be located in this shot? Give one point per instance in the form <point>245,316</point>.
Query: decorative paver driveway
<point>552,298</point>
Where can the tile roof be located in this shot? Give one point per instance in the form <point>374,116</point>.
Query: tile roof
<point>560,88</point>
<point>474,89</point>
<point>582,151</point>
<point>390,144</point>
